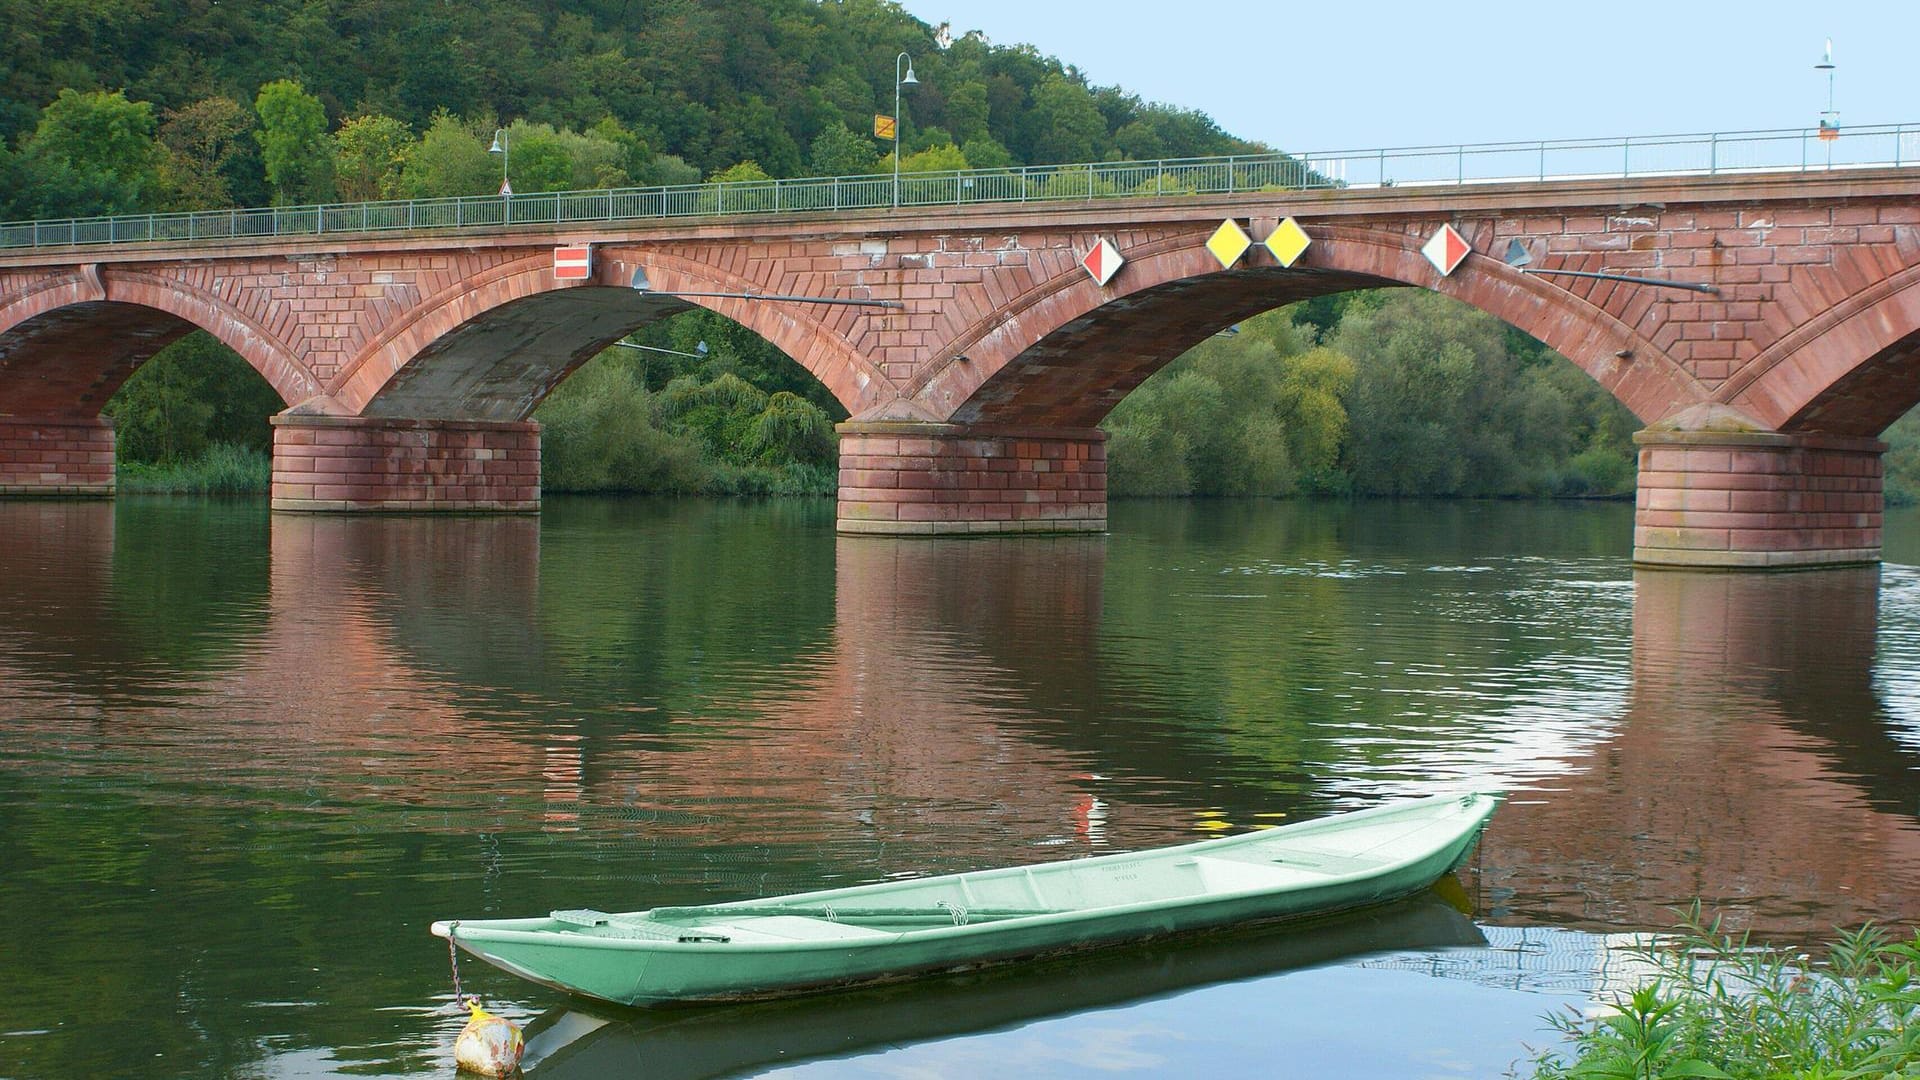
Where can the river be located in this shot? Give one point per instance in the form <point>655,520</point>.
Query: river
<point>246,758</point>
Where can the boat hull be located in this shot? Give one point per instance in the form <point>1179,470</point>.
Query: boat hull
<point>809,942</point>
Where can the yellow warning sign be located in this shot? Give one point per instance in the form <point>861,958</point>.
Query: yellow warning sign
<point>1288,241</point>
<point>883,127</point>
<point>1229,242</point>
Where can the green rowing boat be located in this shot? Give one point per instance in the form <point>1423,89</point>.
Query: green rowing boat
<point>773,947</point>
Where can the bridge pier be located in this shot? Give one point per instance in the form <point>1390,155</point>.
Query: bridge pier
<point>1757,500</point>
<point>56,456</point>
<point>908,479</point>
<point>325,463</point>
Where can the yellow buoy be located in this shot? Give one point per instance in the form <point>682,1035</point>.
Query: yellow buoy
<point>489,1045</point>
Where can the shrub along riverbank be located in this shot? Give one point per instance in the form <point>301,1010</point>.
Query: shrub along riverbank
<point>1717,1005</point>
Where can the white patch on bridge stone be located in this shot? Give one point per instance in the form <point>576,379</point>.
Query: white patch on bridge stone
<point>1621,221</point>
<point>1760,223</point>
<point>383,277</point>
<point>873,247</point>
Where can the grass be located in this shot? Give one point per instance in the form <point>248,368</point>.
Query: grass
<point>1722,1006</point>
<point>225,469</point>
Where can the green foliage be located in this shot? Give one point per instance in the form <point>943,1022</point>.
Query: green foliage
<point>369,152</point>
<point>294,148</point>
<point>1441,407</point>
<point>211,156</point>
<point>1903,460</point>
<point>1413,394</point>
<point>741,172</point>
<point>943,157</point>
<point>604,430</point>
<point>711,83</point>
<point>1065,125</point>
<point>222,469</point>
<point>1254,413</point>
<point>450,159</point>
<point>92,152</point>
<point>840,151</point>
<point>1722,1006</point>
<point>193,394</point>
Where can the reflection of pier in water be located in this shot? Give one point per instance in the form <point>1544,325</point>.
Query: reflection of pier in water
<point>1754,770</point>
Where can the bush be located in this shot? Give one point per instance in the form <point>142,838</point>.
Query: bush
<point>1722,1006</point>
<point>225,469</point>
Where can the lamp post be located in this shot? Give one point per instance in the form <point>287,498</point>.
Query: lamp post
<point>899,81</point>
<point>506,189</point>
<point>1829,120</point>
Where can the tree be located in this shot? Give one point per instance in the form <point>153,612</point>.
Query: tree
<point>294,147</point>
<point>537,158</point>
<point>92,153</point>
<point>968,112</point>
<point>840,151</point>
<point>191,395</point>
<point>206,143</point>
<point>450,159</point>
<point>1066,122</point>
<point>369,153</point>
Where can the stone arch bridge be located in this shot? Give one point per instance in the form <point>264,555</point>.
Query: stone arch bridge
<point>410,363</point>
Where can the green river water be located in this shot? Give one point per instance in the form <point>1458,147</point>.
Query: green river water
<point>245,759</point>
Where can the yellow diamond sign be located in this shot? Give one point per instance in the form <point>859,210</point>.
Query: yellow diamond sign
<point>1229,242</point>
<point>1288,241</point>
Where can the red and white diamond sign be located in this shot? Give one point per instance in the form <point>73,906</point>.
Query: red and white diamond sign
<point>573,263</point>
<point>1103,261</point>
<point>1446,249</point>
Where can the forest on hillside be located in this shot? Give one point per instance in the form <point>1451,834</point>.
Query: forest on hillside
<point>118,106</point>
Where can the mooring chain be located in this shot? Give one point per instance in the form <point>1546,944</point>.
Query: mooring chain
<point>453,957</point>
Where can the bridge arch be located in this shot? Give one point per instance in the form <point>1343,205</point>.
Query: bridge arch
<point>1852,370</point>
<point>1067,351</point>
<point>492,347</point>
<point>68,344</point>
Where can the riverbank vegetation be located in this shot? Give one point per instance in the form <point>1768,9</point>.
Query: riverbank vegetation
<point>1715,1004</point>
<point>1392,392</point>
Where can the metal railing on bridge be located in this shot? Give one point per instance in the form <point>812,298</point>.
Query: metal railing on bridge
<point>1783,151</point>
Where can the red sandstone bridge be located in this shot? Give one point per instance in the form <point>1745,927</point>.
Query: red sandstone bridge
<point>974,352</point>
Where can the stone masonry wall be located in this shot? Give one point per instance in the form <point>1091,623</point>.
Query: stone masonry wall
<point>350,463</point>
<point>56,457</point>
<point>905,479</point>
<point>1737,499</point>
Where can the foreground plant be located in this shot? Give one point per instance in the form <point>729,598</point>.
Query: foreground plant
<point>1722,1006</point>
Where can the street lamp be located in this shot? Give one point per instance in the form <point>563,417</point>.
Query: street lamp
<point>1829,120</point>
<point>699,353</point>
<point>500,147</point>
<point>899,81</point>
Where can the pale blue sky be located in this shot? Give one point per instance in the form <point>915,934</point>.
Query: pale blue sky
<point>1328,76</point>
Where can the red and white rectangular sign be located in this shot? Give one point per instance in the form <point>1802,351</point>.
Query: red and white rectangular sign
<point>573,263</point>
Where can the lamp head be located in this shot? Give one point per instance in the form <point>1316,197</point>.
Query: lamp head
<point>1517,254</point>
<point>700,347</point>
<point>499,143</point>
<point>909,80</point>
<point>1826,58</point>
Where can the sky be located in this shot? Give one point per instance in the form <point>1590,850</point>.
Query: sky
<point>1386,73</point>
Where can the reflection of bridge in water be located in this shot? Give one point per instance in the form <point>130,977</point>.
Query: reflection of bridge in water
<point>901,707</point>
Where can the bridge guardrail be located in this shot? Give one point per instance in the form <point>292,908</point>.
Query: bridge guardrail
<point>1786,150</point>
